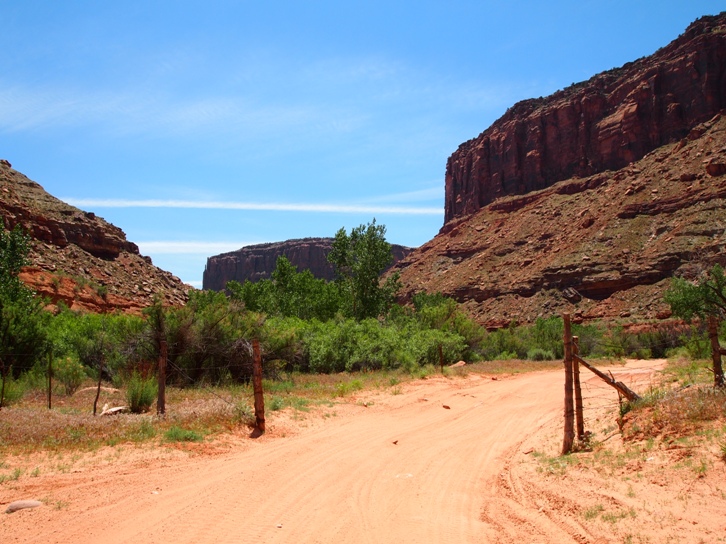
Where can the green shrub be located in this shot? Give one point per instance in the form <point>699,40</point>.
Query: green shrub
<point>141,393</point>
<point>698,346</point>
<point>538,354</point>
<point>507,356</point>
<point>276,403</point>
<point>177,434</point>
<point>14,391</point>
<point>70,373</point>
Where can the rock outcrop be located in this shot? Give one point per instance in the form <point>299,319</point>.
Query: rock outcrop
<point>599,247</point>
<point>257,262</point>
<point>590,200</point>
<point>606,123</point>
<point>79,259</point>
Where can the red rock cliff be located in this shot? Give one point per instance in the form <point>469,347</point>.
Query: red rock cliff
<point>257,262</point>
<point>606,123</point>
<point>77,258</point>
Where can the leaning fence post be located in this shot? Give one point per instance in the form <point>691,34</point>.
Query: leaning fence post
<point>580,417</point>
<point>161,399</point>
<point>569,436</point>
<point>257,385</point>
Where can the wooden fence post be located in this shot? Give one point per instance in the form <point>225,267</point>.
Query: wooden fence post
<point>569,437</point>
<point>98,387</point>
<point>718,378</point>
<point>50,378</point>
<point>257,385</point>
<point>580,418</point>
<point>161,399</point>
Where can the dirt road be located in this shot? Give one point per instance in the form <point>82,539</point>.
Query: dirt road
<point>434,464</point>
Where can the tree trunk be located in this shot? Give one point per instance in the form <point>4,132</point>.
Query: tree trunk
<point>98,388</point>
<point>718,378</point>
<point>161,399</point>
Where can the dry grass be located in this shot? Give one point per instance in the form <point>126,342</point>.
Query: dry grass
<point>28,426</point>
<point>684,403</point>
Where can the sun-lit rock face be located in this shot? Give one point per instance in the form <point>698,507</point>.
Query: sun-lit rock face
<point>606,123</point>
<point>79,259</point>
<point>590,200</point>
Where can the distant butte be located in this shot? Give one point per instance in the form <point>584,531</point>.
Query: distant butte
<point>256,262</point>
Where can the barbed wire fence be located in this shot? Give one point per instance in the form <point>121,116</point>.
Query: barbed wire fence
<point>594,395</point>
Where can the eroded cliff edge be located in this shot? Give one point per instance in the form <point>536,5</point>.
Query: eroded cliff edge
<point>590,200</point>
<point>77,258</point>
<point>606,123</point>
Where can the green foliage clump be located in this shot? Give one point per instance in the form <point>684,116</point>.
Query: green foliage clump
<point>707,296</point>
<point>359,259</point>
<point>22,320</point>
<point>349,345</point>
<point>539,354</point>
<point>70,373</point>
<point>289,293</point>
<point>101,342</point>
<point>14,391</point>
<point>141,393</point>
<point>178,434</point>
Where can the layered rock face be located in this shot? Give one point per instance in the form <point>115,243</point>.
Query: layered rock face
<point>600,247</point>
<point>257,262</point>
<point>78,258</point>
<point>590,200</point>
<point>606,123</point>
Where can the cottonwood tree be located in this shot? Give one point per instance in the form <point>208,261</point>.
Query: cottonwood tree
<point>23,337</point>
<point>706,299</point>
<point>359,259</point>
<point>289,293</point>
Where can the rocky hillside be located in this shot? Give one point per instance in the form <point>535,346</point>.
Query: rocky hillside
<point>606,123</point>
<point>615,185</point>
<point>257,262</point>
<point>78,258</point>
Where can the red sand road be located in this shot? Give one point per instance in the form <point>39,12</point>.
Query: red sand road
<point>405,469</point>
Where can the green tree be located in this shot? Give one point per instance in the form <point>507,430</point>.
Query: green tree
<point>706,298</point>
<point>359,259</point>
<point>289,293</point>
<point>22,319</point>
<point>14,247</point>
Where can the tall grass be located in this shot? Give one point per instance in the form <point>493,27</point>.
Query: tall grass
<point>141,393</point>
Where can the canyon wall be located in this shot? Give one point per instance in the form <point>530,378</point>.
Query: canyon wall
<point>606,123</point>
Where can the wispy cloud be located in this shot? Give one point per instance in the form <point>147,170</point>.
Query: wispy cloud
<point>143,112</point>
<point>258,206</point>
<point>429,194</point>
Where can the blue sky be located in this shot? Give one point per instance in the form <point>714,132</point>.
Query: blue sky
<point>200,127</point>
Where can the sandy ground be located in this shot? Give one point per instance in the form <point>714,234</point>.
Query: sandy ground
<point>448,460</point>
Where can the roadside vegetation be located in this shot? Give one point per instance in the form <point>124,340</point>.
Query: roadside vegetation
<point>679,422</point>
<point>321,342</point>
